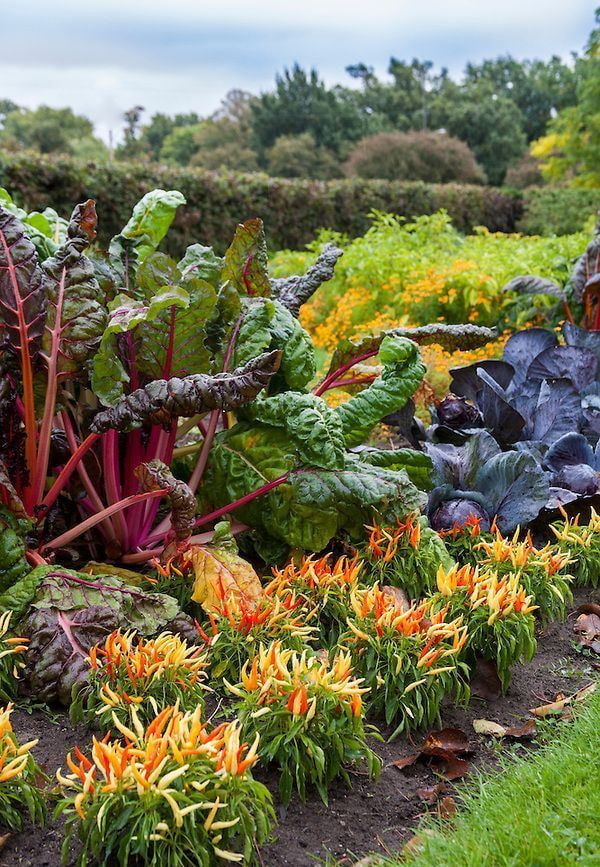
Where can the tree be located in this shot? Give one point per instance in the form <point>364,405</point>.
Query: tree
<point>571,148</point>
<point>152,135</point>
<point>49,130</point>
<point>301,103</point>
<point>490,124</point>
<point>298,156</point>
<point>414,156</point>
<point>6,107</point>
<point>131,146</point>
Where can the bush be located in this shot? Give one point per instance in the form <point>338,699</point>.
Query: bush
<point>558,211</point>
<point>293,210</point>
<point>414,156</point>
<point>299,156</point>
<point>524,173</point>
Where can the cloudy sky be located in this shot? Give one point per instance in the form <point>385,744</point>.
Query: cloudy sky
<point>103,56</point>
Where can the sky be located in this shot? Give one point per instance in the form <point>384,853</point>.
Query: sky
<point>103,56</point>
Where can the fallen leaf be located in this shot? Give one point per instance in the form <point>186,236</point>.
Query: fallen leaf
<point>431,794</point>
<point>485,683</point>
<point>447,807</point>
<point>406,761</point>
<point>587,630</point>
<point>589,608</point>
<point>455,767</point>
<point>487,727</point>
<point>398,595</point>
<point>4,838</point>
<point>558,706</point>
<point>416,843</point>
<point>448,740</point>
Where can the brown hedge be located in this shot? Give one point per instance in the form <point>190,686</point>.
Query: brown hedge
<point>293,210</point>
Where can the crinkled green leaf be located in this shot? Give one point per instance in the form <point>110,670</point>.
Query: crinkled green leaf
<point>154,476</point>
<point>294,291</point>
<point>246,263</point>
<point>315,504</point>
<point>76,313</point>
<point>201,262</point>
<point>314,427</point>
<point>417,465</point>
<point>22,296</point>
<point>109,371</point>
<point>148,224</point>
<point>402,373</point>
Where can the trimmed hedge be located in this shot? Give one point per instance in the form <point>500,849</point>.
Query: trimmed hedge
<point>293,210</point>
<point>558,210</point>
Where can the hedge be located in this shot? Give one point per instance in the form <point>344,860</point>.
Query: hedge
<point>293,210</point>
<point>557,210</point>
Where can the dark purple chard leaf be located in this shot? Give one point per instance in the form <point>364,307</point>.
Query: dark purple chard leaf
<point>565,362</point>
<point>8,495</point>
<point>587,265</point>
<point>163,401</point>
<point>515,487</point>
<point>22,296</point>
<point>449,337</point>
<point>503,420</point>
<point>294,291</point>
<point>59,643</point>
<point>154,476</point>
<point>531,285</point>
<point>246,264</point>
<point>466,383</point>
<point>558,411</point>
<point>76,308</point>
<point>523,347</point>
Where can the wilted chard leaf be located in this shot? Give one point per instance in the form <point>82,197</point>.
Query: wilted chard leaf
<point>246,263</point>
<point>294,291</point>
<point>155,476</point>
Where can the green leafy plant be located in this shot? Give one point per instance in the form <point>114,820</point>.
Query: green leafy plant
<point>308,712</point>
<point>10,648</point>
<point>581,543</point>
<point>175,792</point>
<point>19,777</point>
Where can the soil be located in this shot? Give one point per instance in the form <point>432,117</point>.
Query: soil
<point>371,816</point>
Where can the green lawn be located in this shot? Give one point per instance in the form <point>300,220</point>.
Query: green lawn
<point>543,810</point>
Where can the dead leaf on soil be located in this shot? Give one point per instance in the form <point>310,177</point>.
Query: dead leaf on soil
<point>4,838</point>
<point>446,748</point>
<point>485,683</point>
<point>558,707</point>
<point>431,794</point>
<point>587,630</point>
<point>416,843</point>
<point>447,807</point>
<point>487,727</point>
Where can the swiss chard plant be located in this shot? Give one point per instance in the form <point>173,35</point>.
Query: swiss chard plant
<point>117,366</point>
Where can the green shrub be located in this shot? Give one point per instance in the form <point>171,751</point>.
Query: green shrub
<point>293,210</point>
<point>558,211</point>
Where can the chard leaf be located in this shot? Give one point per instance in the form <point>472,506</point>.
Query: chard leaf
<point>76,316</point>
<point>314,504</point>
<point>312,426</point>
<point>22,296</point>
<point>587,265</point>
<point>220,573</point>
<point>268,325</point>
<point>402,373</point>
<point>145,229</point>
<point>531,285</point>
<point>163,400</point>
<point>156,475</point>
<point>293,292</point>
<point>246,264</point>
<point>449,337</point>
<point>109,372</point>
<point>417,465</point>
<point>202,263</point>
<point>515,488</point>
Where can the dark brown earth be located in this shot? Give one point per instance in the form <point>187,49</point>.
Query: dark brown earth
<point>371,816</point>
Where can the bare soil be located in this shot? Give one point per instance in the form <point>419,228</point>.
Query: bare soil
<point>371,816</point>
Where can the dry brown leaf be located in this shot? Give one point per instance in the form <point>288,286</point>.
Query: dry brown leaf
<point>4,838</point>
<point>448,740</point>
<point>485,683</point>
<point>406,761</point>
<point>447,807</point>
<point>487,727</point>
<point>416,843</point>
<point>587,630</point>
<point>431,794</point>
<point>558,706</point>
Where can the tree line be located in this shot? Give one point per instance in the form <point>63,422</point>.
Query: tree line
<point>502,123</point>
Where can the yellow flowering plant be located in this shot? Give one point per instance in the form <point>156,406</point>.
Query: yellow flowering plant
<point>129,671</point>
<point>19,774</point>
<point>581,542</point>
<point>237,628</point>
<point>172,793</point>
<point>410,658</point>
<point>497,611</point>
<point>309,714</point>
<point>10,649</point>
<point>324,584</point>
<point>406,555</point>
<point>541,571</point>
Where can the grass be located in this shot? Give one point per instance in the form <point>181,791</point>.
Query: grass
<point>542,810</point>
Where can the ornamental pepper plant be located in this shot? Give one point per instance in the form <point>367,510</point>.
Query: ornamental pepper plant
<point>19,778</point>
